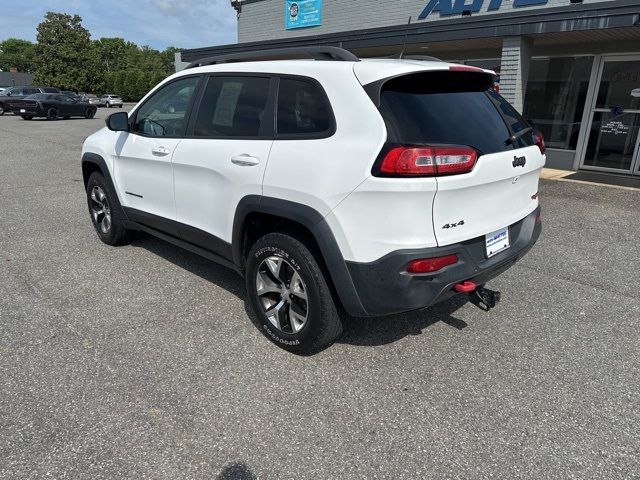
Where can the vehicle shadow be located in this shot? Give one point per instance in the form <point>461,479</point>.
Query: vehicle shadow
<point>236,471</point>
<point>384,330</point>
<point>356,331</point>
<point>206,269</point>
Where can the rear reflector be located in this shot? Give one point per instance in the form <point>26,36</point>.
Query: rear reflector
<point>428,161</point>
<point>539,139</point>
<point>430,265</point>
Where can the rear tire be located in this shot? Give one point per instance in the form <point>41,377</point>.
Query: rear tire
<point>105,211</point>
<point>1,109</point>
<point>119,106</point>
<point>52,114</point>
<point>293,307</point>
<point>108,105</point>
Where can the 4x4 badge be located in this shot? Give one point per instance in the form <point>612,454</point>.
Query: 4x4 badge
<point>519,161</point>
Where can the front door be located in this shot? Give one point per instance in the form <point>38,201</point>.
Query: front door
<point>143,169</point>
<point>612,140</point>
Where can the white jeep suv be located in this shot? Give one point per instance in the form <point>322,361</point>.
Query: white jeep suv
<point>330,184</point>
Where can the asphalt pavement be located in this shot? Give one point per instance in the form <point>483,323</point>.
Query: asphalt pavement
<point>140,362</point>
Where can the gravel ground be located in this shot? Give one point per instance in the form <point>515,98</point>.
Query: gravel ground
<point>140,361</point>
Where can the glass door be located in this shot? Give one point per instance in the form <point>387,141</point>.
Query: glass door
<point>612,139</point>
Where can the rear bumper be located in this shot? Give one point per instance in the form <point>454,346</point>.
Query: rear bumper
<point>385,288</point>
<point>31,111</point>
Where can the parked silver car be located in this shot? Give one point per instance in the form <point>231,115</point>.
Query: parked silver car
<point>110,100</point>
<point>92,99</point>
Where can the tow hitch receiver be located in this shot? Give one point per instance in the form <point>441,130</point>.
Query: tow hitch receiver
<point>484,298</point>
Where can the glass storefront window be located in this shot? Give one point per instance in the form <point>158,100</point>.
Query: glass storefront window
<point>555,98</point>
<point>620,86</point>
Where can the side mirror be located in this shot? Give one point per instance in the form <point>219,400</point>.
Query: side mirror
<point>118,122</point>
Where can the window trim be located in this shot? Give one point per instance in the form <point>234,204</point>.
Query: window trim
<point>188,113</point>
<point>330,132</point>
<point>267,129</point>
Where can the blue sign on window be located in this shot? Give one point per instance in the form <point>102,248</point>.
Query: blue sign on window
<point>302,13</point>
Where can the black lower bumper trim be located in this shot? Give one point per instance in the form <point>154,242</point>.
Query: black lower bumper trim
<point>384,288</point>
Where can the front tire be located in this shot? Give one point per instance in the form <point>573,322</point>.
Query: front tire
<point>105,211</point>
<point>108,105</point>
<point>89,113</point>
<point>289,295</point>
<point>1,109</point>
<point>27,117</point>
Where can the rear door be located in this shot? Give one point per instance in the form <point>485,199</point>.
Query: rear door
<point>451,109</point>
<point>224,156</point>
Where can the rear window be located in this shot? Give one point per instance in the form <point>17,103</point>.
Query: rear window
<point>450,108</point>
<point>233,107</point>
<point>303,110</point>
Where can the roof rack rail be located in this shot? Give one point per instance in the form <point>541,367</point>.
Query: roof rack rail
<point>315,52</point>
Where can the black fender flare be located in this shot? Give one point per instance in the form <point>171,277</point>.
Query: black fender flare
<point>97,160</point>
<point>313,221</point>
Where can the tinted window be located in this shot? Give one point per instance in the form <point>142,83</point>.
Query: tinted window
<point>233,107</point>
<point>50,90</point>
<point>30,91</point>
<point>447,108</point>
<point>513,119</point>
<point>164,113</point>
<point>302,108</point>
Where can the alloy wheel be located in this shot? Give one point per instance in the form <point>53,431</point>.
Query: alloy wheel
<point>100,210</point>
<point>282,294</point>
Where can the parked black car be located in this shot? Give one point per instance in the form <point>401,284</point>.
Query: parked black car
<point>18,93</point>
<point>52,106</point>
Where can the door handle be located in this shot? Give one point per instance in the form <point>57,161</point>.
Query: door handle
<point>160,151</point>
<point>245,160</point>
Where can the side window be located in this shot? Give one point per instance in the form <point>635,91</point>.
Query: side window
<point>232,107</point>
<point>302,109</point>
<point>164,113</point>
<point>16,91</point>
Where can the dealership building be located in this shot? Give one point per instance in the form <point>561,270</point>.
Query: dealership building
<point>571,67</point>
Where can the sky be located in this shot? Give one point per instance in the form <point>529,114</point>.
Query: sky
<point>157,23</point>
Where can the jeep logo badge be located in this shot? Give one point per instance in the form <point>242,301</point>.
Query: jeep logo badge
<point>519,161</point>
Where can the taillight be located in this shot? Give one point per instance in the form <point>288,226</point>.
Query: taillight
<point>430,265</point>
<point>539,139</point>
<point>428,161</point>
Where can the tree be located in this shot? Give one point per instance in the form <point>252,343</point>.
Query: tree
<point>17,53</point>
<point>64,55</point>
<point>114,53</point>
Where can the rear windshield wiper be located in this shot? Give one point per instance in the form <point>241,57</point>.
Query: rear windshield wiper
<point>517,135</point>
